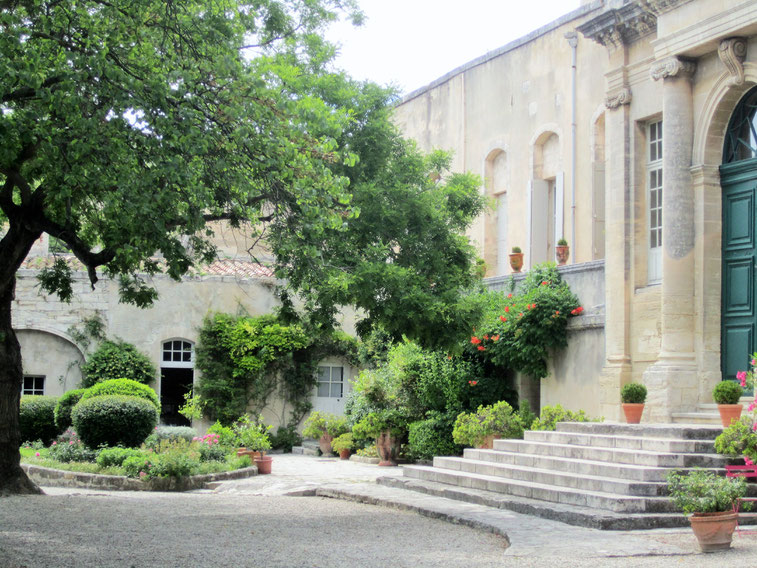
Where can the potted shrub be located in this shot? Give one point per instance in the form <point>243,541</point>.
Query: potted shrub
<point>709,499</point>
<point>343,445</point>
<point>516,259</point>
<point>726,395</point>
<point>388,427</point>
<point>481,428</point>
<point>252,436</point>
<point>324,427</point>
<point>632,398</point>
<point>562,252</point>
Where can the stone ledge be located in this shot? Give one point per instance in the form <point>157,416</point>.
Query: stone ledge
<point>60,478</point>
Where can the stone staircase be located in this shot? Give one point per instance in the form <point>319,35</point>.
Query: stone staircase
<point>602,475</point>
<point>706,413</point>
<point>308,448</point>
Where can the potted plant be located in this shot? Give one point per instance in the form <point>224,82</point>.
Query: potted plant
<point>632,398</point>
<point>726,395</point>
<point>324,427</point>
<point>709,499</point>
<point>252,436</point>
<point>562,252</point>
<point>343,445</point>
<point>516,259</point>
<point>480,429</point>
<point>388,427</point>
<point>738,439</point>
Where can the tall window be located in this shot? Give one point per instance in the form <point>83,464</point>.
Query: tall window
<point>654,188</point>
<point>330,381</point>
<point>33,384</point>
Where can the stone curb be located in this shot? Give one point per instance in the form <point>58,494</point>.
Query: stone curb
<point>76,479</point>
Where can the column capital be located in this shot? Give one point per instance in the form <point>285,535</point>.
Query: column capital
<point>673,67</point>
<point>618,97</point>
<point>732,52</point>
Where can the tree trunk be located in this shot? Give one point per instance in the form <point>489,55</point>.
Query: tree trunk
<point>13,480</point>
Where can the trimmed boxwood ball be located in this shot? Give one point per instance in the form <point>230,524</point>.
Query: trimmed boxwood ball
<point>633,393</point>
<point>113,420</point>
<point>36,418</point>
<point>66,403</point>
<point>125,387</point>
<point>727,392</point>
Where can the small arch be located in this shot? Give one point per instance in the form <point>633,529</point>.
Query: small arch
<point>495,219</point>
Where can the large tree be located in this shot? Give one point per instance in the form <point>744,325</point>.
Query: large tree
<point>128,127</point>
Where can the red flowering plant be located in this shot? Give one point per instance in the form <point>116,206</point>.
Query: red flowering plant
<point>521,327</point>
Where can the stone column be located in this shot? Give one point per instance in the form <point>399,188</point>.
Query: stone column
<point>672,379</point>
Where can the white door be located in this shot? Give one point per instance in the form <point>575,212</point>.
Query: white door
<point>331,389</point>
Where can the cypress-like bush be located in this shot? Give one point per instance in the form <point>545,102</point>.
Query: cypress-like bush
<point>66,403</point>
<point>37,418</point>
<point>115,360</point>
<point>114,420</point>
<point>125,387</point>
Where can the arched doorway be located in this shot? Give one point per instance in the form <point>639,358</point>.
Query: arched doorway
<point>176,379</point>
<point>738,177</point>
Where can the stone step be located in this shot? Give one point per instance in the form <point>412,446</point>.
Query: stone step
<point>577,465</point>
<point>560,479</point>
<point>671,431</point>
<point>613,455</point>
<point>696,418</point>
<point>569,514</point>
<point>544,492</point>
<point>661,445</point>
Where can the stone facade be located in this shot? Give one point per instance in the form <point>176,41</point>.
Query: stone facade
<point>561,126</point>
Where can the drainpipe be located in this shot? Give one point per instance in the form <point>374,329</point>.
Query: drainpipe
<point>572,38</point>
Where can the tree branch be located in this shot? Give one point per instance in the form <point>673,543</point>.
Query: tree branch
<point>26,93</point>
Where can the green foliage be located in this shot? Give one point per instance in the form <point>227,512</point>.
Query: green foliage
<point>562,242</point>
<point>519,330</point>
<point>115,457</point>
<point>226,435</point>
<point>69,448</point>
<point>192,409</point>
<point>117,360</point>
<point>738,439</point>
<point>432,437</point>
<point>63,408</point>
<point>174,458</point>
<point>343,442</point>
<point>551,415</point>
<point>702,491</point>
<point>252,434</point>
<point>137,465</point>
<point>320,423</point>
<point>516,250</point>
<point>376,422</point>
<point>498,419</point>
<point>36,418</point>
<point>727,392</point>
<point>633,393</point>
<point>113,420</point>
<point>170,433</point>
<point>285,438</point>
<point>126,387</point>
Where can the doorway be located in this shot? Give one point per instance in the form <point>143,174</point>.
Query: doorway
<point>176,380</point>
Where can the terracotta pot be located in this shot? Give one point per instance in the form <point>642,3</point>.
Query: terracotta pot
<point>344,454</point>
<point>633,412</point>
<point>325,444</point>
<point>388,446</point>
<point>729,412</point>
<point>562,253</point>
<point>251,453</point>
<point>264,464</point>
<point>714,530</point>
<point>488,442</point>
<point>516,261</point>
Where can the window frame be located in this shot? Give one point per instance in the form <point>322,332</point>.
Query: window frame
<point>331,382</point>
<point>654,188</point>
<point>34,391</point>
<point>181,363</point>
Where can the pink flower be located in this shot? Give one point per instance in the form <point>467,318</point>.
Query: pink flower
<point>37,454</point>
<point>754,362</point>
<point>748,461</point>
<point>142,474</point>
<point>752,406</point>
<point>741,376</point>
<point>55,443</point>
<point>71,443</point>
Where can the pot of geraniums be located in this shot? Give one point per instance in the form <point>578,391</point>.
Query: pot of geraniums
<point>516,259</point>
<point>632,398</point>
<point>562,252</point>
<point>726,395</point>
<point>480,428</point>
<point>252,436</point>
<point>324,427</point>
<point>709,499</point>
<point>343,445</point>
<point>388,427</point>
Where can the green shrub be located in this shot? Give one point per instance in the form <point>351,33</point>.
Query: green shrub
<point>633,393</point>
<point>114,420</point>
<point>285,438</point>
<point>173,433</point>
<point>115,457</point>
<point>69,448</point>
<point>497,419</point>
<point>702,491</point>
<point>319,423</point>
<point>137,466</point>
<point>125,387</point>
<point>738,439</point>
<point>117,360</point>
<point>252,434</point>
<point>432,437</point>
<point>727,392</point>
<point>63,409</point>
<point>37,418</point>
<point>342,442</point>
<point>226,435</point>
<point>174,458</point>
<point>551,415</point>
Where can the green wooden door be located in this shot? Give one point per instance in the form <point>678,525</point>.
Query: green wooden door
<point>739,312</point>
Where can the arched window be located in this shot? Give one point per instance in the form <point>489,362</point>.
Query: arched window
<point>177,353</point>
<point>741,136</point>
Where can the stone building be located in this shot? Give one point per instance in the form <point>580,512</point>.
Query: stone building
<point>628,128</point>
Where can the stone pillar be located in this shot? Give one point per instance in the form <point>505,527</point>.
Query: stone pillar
<point>617,369</point>
<point>672,379</point>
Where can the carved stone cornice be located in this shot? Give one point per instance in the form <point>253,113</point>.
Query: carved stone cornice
<point>672,67</point>
<point>659,7</point>
<point>618,97</point>
<point>620,26</point>
<point>732,52</point>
